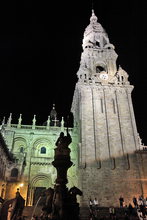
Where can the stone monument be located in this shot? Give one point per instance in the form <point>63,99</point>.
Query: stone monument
<point>61,203</point>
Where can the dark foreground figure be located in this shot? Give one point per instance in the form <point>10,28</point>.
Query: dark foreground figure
<point>12,209</point>
<point>61,203</point>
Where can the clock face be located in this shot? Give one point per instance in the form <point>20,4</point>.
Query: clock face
<point>104,76</point>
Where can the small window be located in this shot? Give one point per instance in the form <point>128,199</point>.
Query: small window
<point>43,150</point>
<point>14,172</point>
<point>97,44</point>
<point>99,69</point>
<point>21,150</point>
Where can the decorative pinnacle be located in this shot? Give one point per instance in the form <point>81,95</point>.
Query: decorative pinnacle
<point>19,121</point>
<point>93,18</point>
<point>3,122</point>
<point>34,120</point>
<point>9,120</point>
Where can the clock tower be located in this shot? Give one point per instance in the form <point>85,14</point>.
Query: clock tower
<point>103,113</point>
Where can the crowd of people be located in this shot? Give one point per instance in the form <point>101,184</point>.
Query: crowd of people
<point>138,206</point>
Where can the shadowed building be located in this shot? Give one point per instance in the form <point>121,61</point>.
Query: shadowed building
<point>6,160</point>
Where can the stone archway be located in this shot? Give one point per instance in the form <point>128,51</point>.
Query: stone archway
<point>38,183</point>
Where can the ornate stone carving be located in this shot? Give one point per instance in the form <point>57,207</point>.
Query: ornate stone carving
<point>122,76</point>
<point>98,55</point>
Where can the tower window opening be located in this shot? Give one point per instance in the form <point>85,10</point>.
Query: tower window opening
<point>43,150</point>
<point>21,150</point>
<point>99,69</point>
<point>97,44</point>
<point>122,79</point>
<point>14,172</point>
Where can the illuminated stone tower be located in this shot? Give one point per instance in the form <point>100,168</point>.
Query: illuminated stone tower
<point>103,112</point>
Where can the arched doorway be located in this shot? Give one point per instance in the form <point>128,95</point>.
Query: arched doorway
<point>38,184</point>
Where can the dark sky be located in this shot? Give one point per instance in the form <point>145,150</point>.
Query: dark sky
<point>40,49</point>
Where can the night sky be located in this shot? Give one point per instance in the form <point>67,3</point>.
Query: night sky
<point>40,49</point>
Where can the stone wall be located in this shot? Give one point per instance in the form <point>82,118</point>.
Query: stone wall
<point>35,168</point>
<point>108,140</point>
<point>142,163</point>
<point>108,184</point>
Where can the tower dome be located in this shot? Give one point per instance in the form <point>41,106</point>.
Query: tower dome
<point>98,59</point>
<point>93,18</point>
<point>95,34</point>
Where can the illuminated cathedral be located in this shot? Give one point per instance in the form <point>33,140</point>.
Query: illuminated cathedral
<point>106,150</point>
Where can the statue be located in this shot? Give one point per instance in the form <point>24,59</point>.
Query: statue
<point>63,141</point>
<point>61,203</point>
<point>122,76</point>
<point>73,192</point>
<point>74,205</point>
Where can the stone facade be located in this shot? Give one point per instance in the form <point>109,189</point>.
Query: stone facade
<point>106,150</point>
<point>103,110</point>
<point>33,149</point>
<point>6,159</point>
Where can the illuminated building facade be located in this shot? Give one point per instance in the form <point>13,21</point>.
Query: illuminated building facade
<point>106,148</point>
<point>108,139</point>
<point>6,160</point>
<point>33,149</point>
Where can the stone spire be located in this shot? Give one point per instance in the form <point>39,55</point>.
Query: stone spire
<point>98,59</point>
<point>34,122</point>
<point>95,35</point>
<point>9,120</point>
<point>48,122</point>
<point>93,18</point>
<point>3,122</point>
<point>2,126</point>
<point>62,124</point>
<point>19,121</point>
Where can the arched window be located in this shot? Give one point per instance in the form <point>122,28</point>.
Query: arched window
<point>21,150</point>
<point>99,69</point>
<point>97,44</point>
<point>14,172</point>
<point>43,150</point>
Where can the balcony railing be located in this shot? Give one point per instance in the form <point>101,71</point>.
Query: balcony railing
<point>37,127</point>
